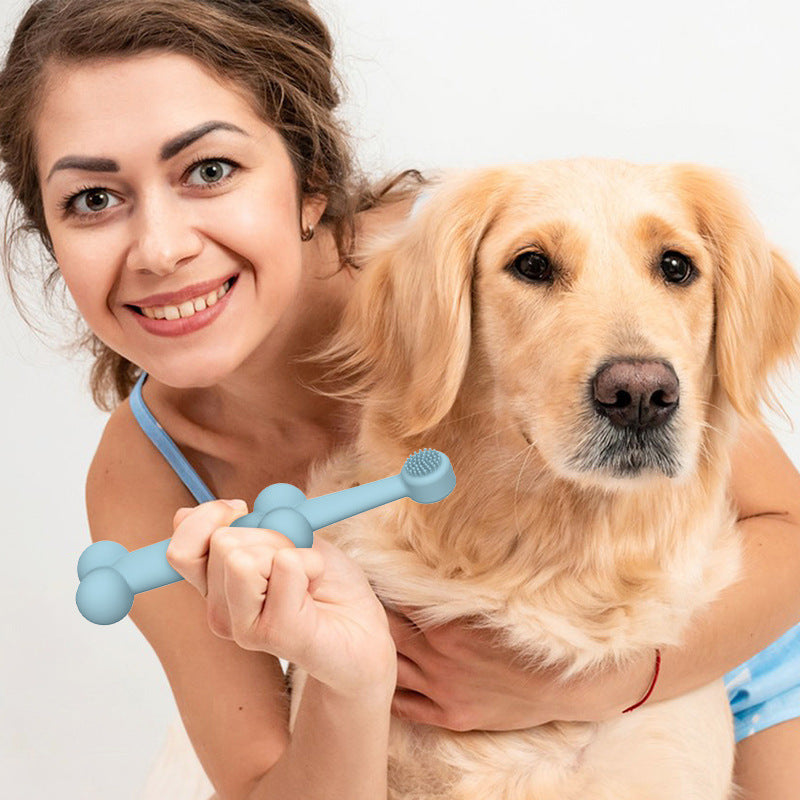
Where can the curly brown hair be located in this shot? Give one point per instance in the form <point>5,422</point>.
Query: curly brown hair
<point>279,51</point>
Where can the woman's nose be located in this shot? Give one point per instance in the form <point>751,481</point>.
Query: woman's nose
<point>163,235</point>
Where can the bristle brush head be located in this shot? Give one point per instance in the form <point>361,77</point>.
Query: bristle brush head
<point>428,476</point>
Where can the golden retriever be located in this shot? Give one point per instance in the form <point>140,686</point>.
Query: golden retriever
<point>581,338</point>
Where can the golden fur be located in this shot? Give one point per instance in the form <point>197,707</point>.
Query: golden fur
<point>568,558</point>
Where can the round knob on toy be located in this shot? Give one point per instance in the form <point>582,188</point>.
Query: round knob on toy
<point>278,495</point>
<point>103,596</point>
<point>291,524</point>
<point>99,554</point>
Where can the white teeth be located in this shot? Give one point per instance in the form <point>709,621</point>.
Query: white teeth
<point>189,308</point>
<point>186,309</point>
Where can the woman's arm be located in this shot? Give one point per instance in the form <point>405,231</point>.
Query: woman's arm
<point>459,678</point>
<point>233,701</point>
<point>752,613</point>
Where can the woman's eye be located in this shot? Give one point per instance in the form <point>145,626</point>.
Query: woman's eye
<point>93,200</point>
<point>533,266</point>
<point>212,170</point>
<point>676,267</point>
<point>90,201</point>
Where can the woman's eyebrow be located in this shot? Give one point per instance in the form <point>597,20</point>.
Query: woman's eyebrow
<point>169,149</point>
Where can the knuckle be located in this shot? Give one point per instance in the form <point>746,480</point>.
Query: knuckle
<point>221,540</point>
<point>286,558</point>
<point>175,558</point>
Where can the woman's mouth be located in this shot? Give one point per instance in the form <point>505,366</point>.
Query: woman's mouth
<point>185,317</point>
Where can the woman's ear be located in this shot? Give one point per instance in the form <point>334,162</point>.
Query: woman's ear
<point>312,208</point>
<point>756,291</point>
<point>405,337</point>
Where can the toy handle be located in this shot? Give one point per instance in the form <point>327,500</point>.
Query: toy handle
<point>110,576</point>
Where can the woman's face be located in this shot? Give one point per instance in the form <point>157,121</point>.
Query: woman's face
<point>161,186</point>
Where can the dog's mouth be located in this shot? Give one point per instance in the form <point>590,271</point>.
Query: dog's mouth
<point>628,452</point>
<point>623,453</point>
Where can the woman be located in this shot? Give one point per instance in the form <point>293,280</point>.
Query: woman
<point>232,203</point>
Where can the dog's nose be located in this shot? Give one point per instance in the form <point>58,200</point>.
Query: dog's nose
<point>636,394</point>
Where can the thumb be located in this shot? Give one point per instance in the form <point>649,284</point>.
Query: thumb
<point>180,516</point>
<point>239,506</point>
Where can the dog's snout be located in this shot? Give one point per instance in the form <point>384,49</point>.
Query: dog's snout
<point>636,393</point>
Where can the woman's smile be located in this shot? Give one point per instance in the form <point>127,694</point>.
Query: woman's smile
<point>180,318</point>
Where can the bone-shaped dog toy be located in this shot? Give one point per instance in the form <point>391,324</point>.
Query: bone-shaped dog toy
<point>110,576</point>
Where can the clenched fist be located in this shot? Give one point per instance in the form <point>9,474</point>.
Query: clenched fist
<point>312,606</point>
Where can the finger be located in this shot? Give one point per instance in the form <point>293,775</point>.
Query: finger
<point>409,675</point>
<point>180,515</point>
<point>187,552</point>
<point>245,580</point>
<point>236,554</point>
<point>416,707</point>
<point>225,542</point>
<point>289,611</point>
<point>277,582</point>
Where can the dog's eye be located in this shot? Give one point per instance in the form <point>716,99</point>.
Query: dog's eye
<point>677,268</point>
<point>533,265</point>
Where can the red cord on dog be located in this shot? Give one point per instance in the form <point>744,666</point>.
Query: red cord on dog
<point>652,684</point>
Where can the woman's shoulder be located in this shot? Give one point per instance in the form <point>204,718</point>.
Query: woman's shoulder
<point>129,478</point>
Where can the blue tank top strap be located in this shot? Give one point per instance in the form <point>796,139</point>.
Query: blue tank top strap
<point>162,440</point>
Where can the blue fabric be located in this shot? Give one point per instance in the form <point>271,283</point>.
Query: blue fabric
<point>765,690</point>
<point>162,440</point>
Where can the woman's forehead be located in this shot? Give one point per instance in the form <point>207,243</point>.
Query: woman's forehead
<point>151,96</point>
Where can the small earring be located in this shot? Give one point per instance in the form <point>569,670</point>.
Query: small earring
<point>307,234</point>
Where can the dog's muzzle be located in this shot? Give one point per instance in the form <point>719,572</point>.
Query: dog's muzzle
<point>633,402</point>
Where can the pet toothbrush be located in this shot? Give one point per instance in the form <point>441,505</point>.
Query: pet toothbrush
<point>110,576</point>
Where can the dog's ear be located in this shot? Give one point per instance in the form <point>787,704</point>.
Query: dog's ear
<point>404,341</point>
<point>756,291</point>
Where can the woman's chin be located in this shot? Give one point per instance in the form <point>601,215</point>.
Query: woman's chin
<point>196,375</point>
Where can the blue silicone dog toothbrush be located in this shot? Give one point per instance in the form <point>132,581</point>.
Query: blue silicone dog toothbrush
<point>110,576</point>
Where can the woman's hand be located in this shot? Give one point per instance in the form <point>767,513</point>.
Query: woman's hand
<point>312,606</point>
<point>460,677</point>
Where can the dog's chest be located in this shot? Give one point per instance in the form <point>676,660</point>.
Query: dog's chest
<point>543,607</point>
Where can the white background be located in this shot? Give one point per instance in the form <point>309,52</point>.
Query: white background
<point>432,83</point>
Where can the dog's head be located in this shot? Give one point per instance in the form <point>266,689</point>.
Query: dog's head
<point>610,312</point>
